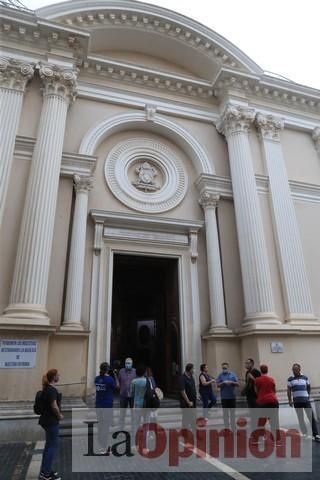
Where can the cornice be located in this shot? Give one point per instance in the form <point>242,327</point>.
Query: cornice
<point>21,31</point>
<point>132,220</point>
<point>274,90</point>
<point>129,73</point>
<point>72,163</point>
<point>300,191</point>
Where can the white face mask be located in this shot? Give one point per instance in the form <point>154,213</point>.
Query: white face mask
<point>128,365</point>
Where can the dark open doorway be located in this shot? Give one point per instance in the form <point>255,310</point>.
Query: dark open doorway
<point>145,315</point>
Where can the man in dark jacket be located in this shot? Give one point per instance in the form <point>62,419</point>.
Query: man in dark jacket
<point>188,398</point>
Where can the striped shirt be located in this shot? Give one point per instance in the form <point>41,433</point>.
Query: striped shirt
<point>299,388</point>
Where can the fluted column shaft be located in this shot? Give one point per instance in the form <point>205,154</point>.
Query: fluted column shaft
<point>72,314</point>
<point>295,281</point>
<point>14,76</point>
<point>209,203</point>
<point>258,296</point>
<point>31,273</point>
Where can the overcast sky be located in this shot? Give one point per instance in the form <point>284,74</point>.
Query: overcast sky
<point>282,36</point>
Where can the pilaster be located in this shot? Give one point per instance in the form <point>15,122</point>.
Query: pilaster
<point>295,282</point>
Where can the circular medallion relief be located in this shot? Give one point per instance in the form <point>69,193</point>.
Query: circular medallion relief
<point>145,175</point>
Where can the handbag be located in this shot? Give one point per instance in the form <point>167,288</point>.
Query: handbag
<point>151,399</point>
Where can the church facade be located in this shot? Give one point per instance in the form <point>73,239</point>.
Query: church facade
<point>159,198</point>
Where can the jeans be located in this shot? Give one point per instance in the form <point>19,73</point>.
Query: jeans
<point>125,402</point>
<point>299,408</point>
<point>104,417</point>
<point>50,448</point>
<point>208,400</point>
<point>272,416</point>
<point>229,413</point>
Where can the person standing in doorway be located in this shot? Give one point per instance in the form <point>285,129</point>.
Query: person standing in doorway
<point>188,398</point>
<point>126,375</point>
<point>49,421</point>
<point>105,386</point>
<point>227,382</point>
<point>299,397</point>
<point>205,389</point>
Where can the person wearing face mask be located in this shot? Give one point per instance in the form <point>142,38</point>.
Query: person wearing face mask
<point>227,383</point>
<point>126,375</point>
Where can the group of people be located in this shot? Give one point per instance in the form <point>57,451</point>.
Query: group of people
<point>138,391</point>
<point>259,389</point>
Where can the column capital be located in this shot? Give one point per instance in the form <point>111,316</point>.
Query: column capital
<point>82,184</point>
<point>269,126</point>
<point>209,200</point>
<point>234,119</point>
<point>15,74</point>
<point>316,138</point>
<point>60,81</point>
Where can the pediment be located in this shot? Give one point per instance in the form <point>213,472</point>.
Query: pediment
<point>152,37</point>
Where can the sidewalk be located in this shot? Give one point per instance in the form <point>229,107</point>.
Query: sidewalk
<point>14,460</point>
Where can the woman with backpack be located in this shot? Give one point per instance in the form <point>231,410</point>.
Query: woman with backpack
<point>50,417</point>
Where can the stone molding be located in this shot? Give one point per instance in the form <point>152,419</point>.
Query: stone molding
<point>209,200</point>
<point>125,154</point>
<point>129,73</point>
<point>275,90</point>
<point>59,81</point>
<point>82,184</point>
<point>235,119</point>
<point>190,145</point>
<point>269,126</point>
<point>316,138</point>
<point>15,74</point>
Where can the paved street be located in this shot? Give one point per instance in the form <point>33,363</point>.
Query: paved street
<point>15,460</point>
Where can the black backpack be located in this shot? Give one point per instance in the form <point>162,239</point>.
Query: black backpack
<point>151,399</point>
<point>38,406</point>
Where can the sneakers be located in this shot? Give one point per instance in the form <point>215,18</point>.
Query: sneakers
<point>316,438</point>
<point>52,476</point>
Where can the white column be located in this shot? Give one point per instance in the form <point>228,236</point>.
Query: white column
<point>209,202</point>
<point>316,138</point>
<point>72,313</point>
<point>31,273</point>
<point>235,124</point>
<point>195,302</point>
<point>14,76</point>
<point>295,281</point>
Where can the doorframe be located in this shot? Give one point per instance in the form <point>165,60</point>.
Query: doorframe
<point>132,234</point>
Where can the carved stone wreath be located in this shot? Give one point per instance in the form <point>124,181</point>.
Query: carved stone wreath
<point>145,175</point>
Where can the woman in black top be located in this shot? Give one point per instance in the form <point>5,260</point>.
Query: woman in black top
<point>49,421</point>
<point>205,389</point>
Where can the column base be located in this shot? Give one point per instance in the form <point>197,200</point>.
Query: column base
<point>71,327</point>
<point>26,312</point>
<point>264,318</point>
<point>301,319</point>
<point>217,331</point>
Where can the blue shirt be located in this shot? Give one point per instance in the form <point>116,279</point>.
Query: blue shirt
<point>105,386</point>
<point>299,387</point>
<point>227,392</point>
